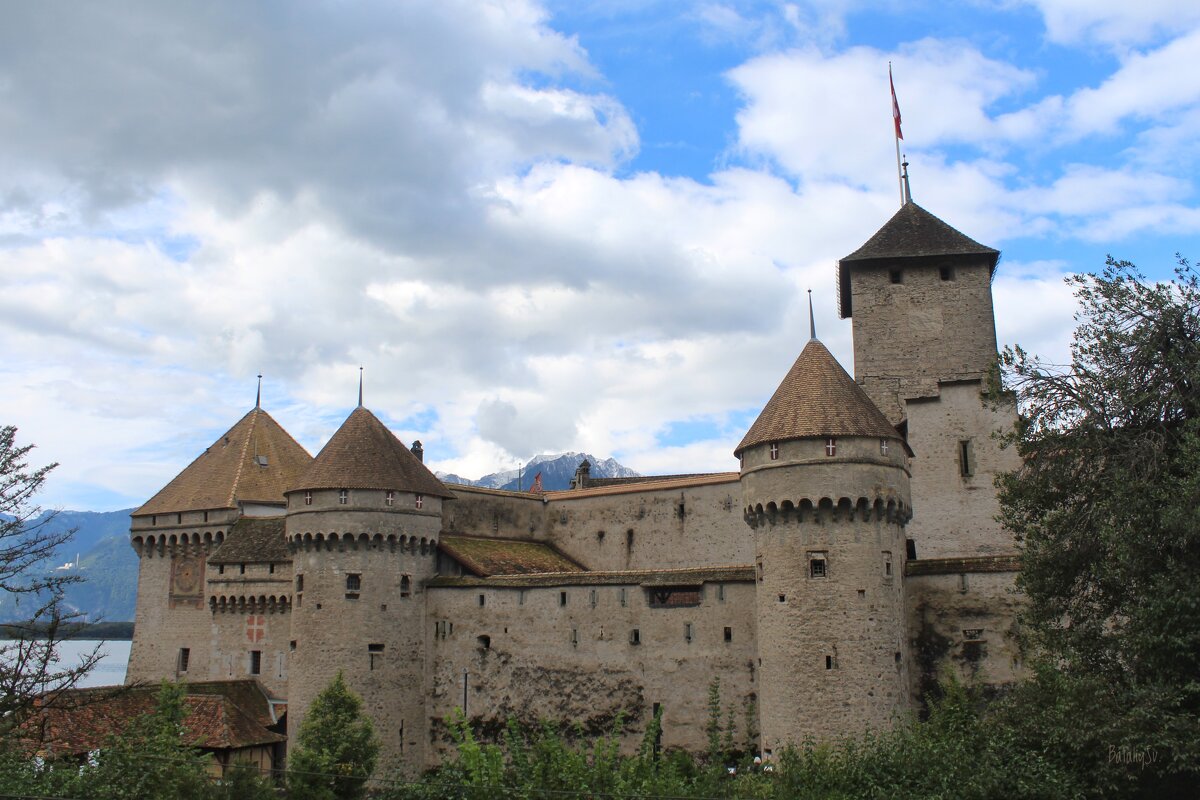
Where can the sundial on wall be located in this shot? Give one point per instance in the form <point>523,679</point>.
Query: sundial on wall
<point>187,580</point>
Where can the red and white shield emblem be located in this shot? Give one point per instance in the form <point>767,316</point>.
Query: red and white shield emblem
<point>256,628</point>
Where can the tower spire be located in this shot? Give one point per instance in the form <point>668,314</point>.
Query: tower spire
<point>360,379</point>
<point>812,321</point>
<point>904,177</point>
<point>258,395</point>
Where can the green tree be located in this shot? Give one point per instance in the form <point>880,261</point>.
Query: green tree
<point>1107,507</point>
<point>335,750</point>
<point>30,668</point>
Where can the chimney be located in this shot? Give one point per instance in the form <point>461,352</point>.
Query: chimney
<point>418,450</point>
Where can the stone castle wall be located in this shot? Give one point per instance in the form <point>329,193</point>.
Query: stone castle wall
<point>829,538</point>
<point>954,500</point>
<point>360,574</point>
<point>569,653</point>
<point>617,528</point>
<point>909,335</point>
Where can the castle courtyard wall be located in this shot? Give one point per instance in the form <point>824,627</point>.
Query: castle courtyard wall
<point>567,652</point>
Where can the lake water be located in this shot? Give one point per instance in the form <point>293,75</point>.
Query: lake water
<point>111,669</point>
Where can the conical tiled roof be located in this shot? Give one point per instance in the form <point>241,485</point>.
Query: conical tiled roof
<point>912,232</point>
<point>256,461</point>
<point>817,399</point>
<point>364,454</point>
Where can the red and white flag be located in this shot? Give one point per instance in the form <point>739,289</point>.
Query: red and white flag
<point>537,487</point>
<point>895,104</point>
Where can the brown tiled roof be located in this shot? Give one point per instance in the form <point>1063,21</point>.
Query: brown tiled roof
<point>228,472</point>
<point>253,540</point>
<point>364,454</point>
<point>486,556</point>
<point>912,232</point>
<point>84,720</point>
<point>956,566</point>
<point>648,485</point>
<point>817,399</point>
<point>642,577</point>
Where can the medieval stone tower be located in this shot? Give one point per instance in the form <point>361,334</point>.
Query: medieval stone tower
<point>825,487</point>
<point>362,527</point>
<point>201,615</point>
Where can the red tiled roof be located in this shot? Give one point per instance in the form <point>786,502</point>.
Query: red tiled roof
<point>364,454</point>
<point>255,461</point>
<point>86,719</point>
<point>817,399</point>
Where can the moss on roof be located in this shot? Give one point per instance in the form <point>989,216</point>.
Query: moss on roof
<point>253,540</point>
<point>486,556</point>
<point>651,577</point>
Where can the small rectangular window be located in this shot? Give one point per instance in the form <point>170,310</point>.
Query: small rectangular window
<point>343,496</point>
<point>910,549</point>
<point>390,497</point>
<point>896,276</point>
<point>721,592</point>
<point>817,566</point>
<point>482,600</point>
<point>624,597</point>
<point>353,585</point>
<point>256,662</point>
<point>241,569</point>
<point>574,637</point>
<point>774,451</point>
<point>419,501</point>
<point>562,598</point>
<point>687,631</point>
<point>973,634</point>
<point>883,447</point>
<point>966,458</point>
<point>405,586</point>
<point>292,645</point>
<point>185,658</point>
<point>593,598</point>
<point>831,446</point>
<point>828,662</point>
<point>887,565</point>
<point>946,273</point>
<point>271,568</point>
<point>206,516</point>
<point>300,583</point>
<point>220,569</point>
<point>308,498</point>
<point>375,654</point>
<point>728,634</point>
<point>635,636</point>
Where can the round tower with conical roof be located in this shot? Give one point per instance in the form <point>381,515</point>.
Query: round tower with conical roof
<point>825,488</point>
<point>362,527</point>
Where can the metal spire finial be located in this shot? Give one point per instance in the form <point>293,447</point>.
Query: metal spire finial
<point>258,396</point>
<point>904,177</point>
<point>812,321</point>
<point>360,379</point>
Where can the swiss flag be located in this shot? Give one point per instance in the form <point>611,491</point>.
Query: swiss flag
<point>895,104</point>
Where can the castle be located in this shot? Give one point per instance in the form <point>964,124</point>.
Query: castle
<point>852,556</point>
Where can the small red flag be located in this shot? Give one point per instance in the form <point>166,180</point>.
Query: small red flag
<point>537,487</point>
<point>895,104</point>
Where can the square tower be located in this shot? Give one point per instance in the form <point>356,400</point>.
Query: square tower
<point>920,296</point>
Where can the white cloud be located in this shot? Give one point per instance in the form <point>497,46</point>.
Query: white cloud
<point>1115,22</point>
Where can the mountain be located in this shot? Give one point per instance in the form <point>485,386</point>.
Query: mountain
<point>557,472</point>
<point>98,552</point>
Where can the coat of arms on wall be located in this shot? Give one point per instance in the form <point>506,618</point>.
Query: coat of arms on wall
<point>187,581</point>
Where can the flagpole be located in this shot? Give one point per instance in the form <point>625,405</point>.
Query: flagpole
<point>899,172</point>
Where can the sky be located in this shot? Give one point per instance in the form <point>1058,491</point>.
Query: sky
<point>537,227</point>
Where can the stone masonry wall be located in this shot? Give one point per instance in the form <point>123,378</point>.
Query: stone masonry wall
<point>490,512</point>
<point>685,526</point>
<point>911,334</point>
<point>967,620</point>
<point>954,514</point>
<point>528,654</point>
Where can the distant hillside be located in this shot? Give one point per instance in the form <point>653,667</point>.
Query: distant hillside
<point>99,552</point>
<point>557,471</point>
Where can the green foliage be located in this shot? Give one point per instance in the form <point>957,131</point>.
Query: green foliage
<point>29,667</point>
<point>148,761</point>
<point>1107,506</point>
<point>961,751</point>
<point>336,749</point>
